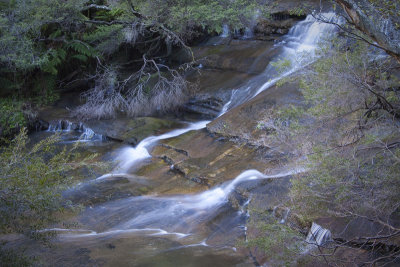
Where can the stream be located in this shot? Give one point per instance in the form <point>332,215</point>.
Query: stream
<point>191,225</point>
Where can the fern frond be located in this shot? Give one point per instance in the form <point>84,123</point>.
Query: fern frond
<point>82,48</point>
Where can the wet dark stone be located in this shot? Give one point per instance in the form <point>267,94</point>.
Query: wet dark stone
<point>40,125</point>
<point>201,180</point>
<point>205,106</point>
<point>110,246</point>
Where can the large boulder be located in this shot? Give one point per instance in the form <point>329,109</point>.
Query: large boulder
<point>241,56</point>
<point>283,15</point>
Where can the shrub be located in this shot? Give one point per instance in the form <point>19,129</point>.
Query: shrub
<point>31,181</point>
<point>12,117</point>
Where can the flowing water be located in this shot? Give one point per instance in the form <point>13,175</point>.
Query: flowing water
<point>318,235</point>
<point>195,229</point>
<point>73,130</point>
<point>297,48</point>
<point>128,156</point>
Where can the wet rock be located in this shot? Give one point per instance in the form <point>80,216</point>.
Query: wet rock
<point>200,180</point>
<point>40,125</point>
<point>206,106</point>
<point>184,152</point>
<point>275,27</point>
<point>241,56</point>
<point>111,246</point>
<point>109,189</point>
<point>131,131</point>
<point>207,161</point>
<point>247,122</point>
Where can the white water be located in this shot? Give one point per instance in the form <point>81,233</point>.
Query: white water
<point>225,31</point>
<point>89,135</point>
<point>318,235</point>
<point>181,215</point>
<point>129,156</point>
<point>86,233</point>
<point>297,47</point>
<point>65,126</point>
<point>60,126</point>
<point>248,33</point>
<point>174,215</point>
<point>209,199</point>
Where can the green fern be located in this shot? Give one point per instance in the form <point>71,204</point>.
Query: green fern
<point>56,34</point>
<point>82,48</point>
<point>106,38</point>
<point>108,15</point>
<point>80,57</point>
<point>55,58</point>
<point>102,32</point>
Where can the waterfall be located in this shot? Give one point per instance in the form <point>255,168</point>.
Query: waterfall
<point>61,126</point>
<point>249,30</point>
<point>318,235</point>
<point>248,33</point>
<point>225,31</point>
<point>66,126</point>
<point>191,217</point>
<point>298,47</point>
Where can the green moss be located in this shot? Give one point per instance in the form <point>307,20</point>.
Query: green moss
<point>143,190</point>
<point>215,50</point>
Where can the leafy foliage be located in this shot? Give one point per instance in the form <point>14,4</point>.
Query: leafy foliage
<point>347,183</point>
<point>55,58</point>
<point>106,39</point>
<point>44,90</point>
<point>281,244</point>
<point>32,179</point>
<point>12,118</point>
<point>351,145</point>
<point>10,257</point>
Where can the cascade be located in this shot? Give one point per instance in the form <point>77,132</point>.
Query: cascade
<point>185,216</point>
<point>61,126</point>
<point>188,210</point>
<point>225,31</point>
<point>128,156</point>
<point>89,135</point>
<point>169,213</point>
<point>66,126</point>
<point>298,47</point>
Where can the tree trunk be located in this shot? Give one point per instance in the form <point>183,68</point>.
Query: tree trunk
<point>371,22</point>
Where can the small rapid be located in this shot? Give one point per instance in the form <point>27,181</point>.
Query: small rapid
<point>74,132</point>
